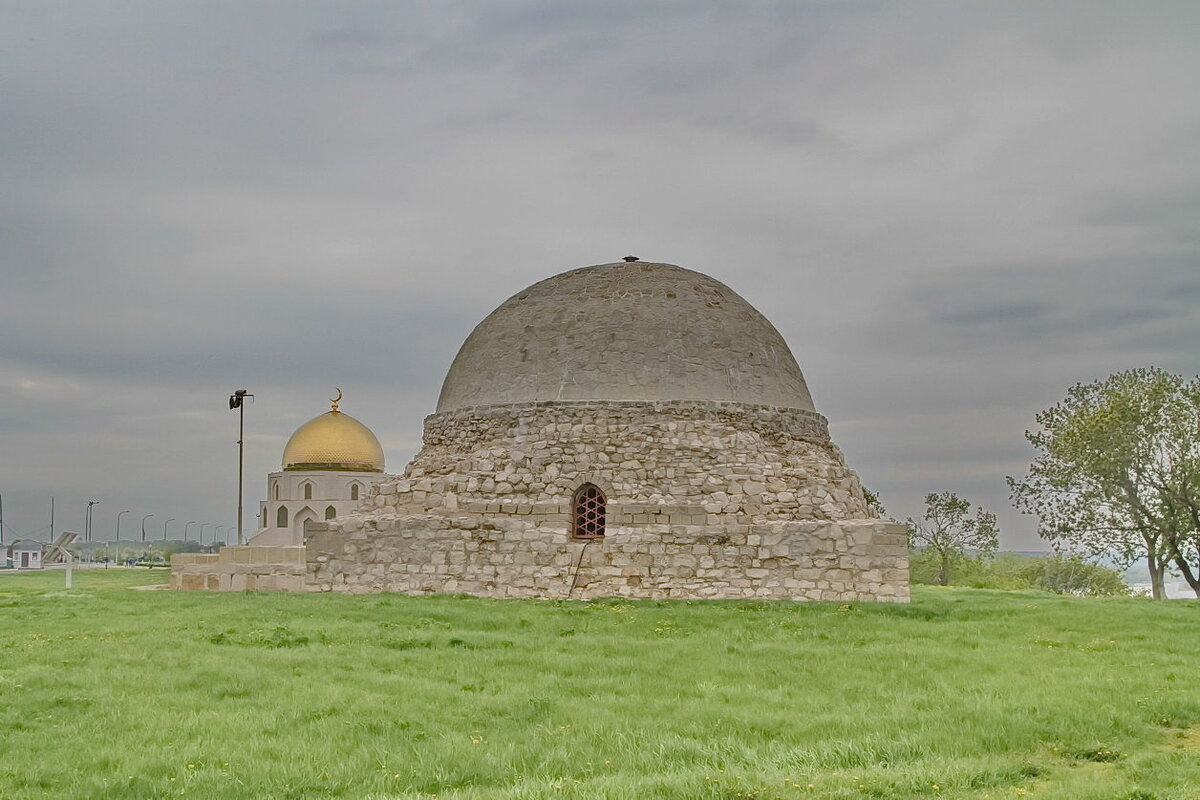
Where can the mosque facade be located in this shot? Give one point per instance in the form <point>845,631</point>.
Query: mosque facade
<point>629,429</point>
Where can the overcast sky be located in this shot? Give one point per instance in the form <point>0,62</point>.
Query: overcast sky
<point>952,212</point>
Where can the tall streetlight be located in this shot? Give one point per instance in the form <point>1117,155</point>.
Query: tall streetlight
<point>203,525</point>
<point>148,516</point>
<point>126,511</point>
<point>237,400</point>
<point>87,521</point>
<point>165,524</point>
<point>185,527</point>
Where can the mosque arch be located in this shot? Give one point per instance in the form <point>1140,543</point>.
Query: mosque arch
<point>308,489</point>
<point>330,512</point>
<point>281,517</point>
<point>354,491</point>
<point>275,490</point>
<point>589,509</point>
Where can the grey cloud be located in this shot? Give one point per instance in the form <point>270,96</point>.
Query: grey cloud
<point>951,212</point>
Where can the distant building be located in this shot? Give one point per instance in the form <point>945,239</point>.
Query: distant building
<point>24,554</point>
<point>328,465</point>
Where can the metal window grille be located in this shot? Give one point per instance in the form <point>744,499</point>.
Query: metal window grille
<point>589,512</point>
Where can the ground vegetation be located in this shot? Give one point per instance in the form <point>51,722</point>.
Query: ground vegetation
<point>115,693</point>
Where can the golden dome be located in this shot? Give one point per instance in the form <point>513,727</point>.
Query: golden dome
<point>333,441</point>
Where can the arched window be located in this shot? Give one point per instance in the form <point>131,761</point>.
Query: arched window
<point>588,509</point>
<point>308,491</point>
<point>330,512</point>
<point>354,491</point>
<point>281,517</point>
<point>275,489</point>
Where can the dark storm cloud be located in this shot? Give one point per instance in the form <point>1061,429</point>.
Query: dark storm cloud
<point>952,212</point>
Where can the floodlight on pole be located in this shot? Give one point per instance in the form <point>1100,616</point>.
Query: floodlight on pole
<point>237,400</point>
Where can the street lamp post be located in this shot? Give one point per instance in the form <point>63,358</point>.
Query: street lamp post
<point>148,516</point>
<point>126,511</point>
<point>87,521</point>
<point>237,400</point>
<point>169,521</point>
<point>185,529</point>
<point>203,525</point>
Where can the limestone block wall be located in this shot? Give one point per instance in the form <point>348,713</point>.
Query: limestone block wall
<point>530,554</point>
<point>727,459</point>
<point>239,568</point>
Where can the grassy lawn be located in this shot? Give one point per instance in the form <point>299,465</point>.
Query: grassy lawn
<point>107,692</point>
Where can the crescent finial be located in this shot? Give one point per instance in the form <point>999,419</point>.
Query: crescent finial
<point>334,402</point>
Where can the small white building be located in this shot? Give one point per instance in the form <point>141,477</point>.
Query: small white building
<point>328,463</point>
<point>24,554</point>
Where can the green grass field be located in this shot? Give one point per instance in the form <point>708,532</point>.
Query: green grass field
<point>106,692</point>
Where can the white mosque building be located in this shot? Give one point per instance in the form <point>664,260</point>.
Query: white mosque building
<point>328,465</point>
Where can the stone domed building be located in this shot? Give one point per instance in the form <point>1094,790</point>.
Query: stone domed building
<point>631,429</point>
<point>328,464</point>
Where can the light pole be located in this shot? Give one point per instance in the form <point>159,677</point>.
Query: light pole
<point>203,525</point>
<point>165,524</point>
<point>87,521</point>
<point>148,516</point>
<point>126,511</point>
<point>237,400</point>
<point>185,527</point>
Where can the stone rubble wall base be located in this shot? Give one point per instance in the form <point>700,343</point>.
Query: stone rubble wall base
<point>730,458</point>
<point>492,555</point>
<point>235,569</point>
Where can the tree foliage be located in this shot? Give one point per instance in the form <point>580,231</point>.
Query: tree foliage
<point>1118,472</point>
<point>1055,572</point>
<point>948,529</point>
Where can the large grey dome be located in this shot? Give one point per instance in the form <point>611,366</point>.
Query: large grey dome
<point>631,331</point>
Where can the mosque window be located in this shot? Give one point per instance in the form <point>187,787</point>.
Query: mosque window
<point>308,491</point>
<point>354,491</point>
<point>589,509</point>
<point>281,517</point>
<point>275,490</point>
<point>330,512</point>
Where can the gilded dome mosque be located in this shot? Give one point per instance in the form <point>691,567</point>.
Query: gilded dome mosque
<point>333,441</point>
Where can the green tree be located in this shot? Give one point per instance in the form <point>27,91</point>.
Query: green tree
<point>874,504</point>
<point>1070,574</point>
<point>948,529</point>
<point>1118,472</point>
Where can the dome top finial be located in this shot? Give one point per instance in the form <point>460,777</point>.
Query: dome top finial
<point>333,404</point>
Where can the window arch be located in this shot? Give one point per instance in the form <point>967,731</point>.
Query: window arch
<point>281,517</point>
<point>354,491</point>
<point>308,491</point>
<point>588,511</point>
<point>275,490</point>
<point>330,512</point>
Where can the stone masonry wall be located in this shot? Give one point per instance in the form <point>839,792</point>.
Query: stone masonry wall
<point>725,458</point>
<point>532,556</point>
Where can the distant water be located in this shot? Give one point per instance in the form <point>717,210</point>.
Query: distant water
<point>1175,591</point>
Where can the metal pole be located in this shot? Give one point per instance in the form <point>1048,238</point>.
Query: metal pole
<point>148,516</point>
<point>165,524</point>
<point>238,400</point>
<point>126,511</point>
<point>1,519</point>
<point>241,452</point>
